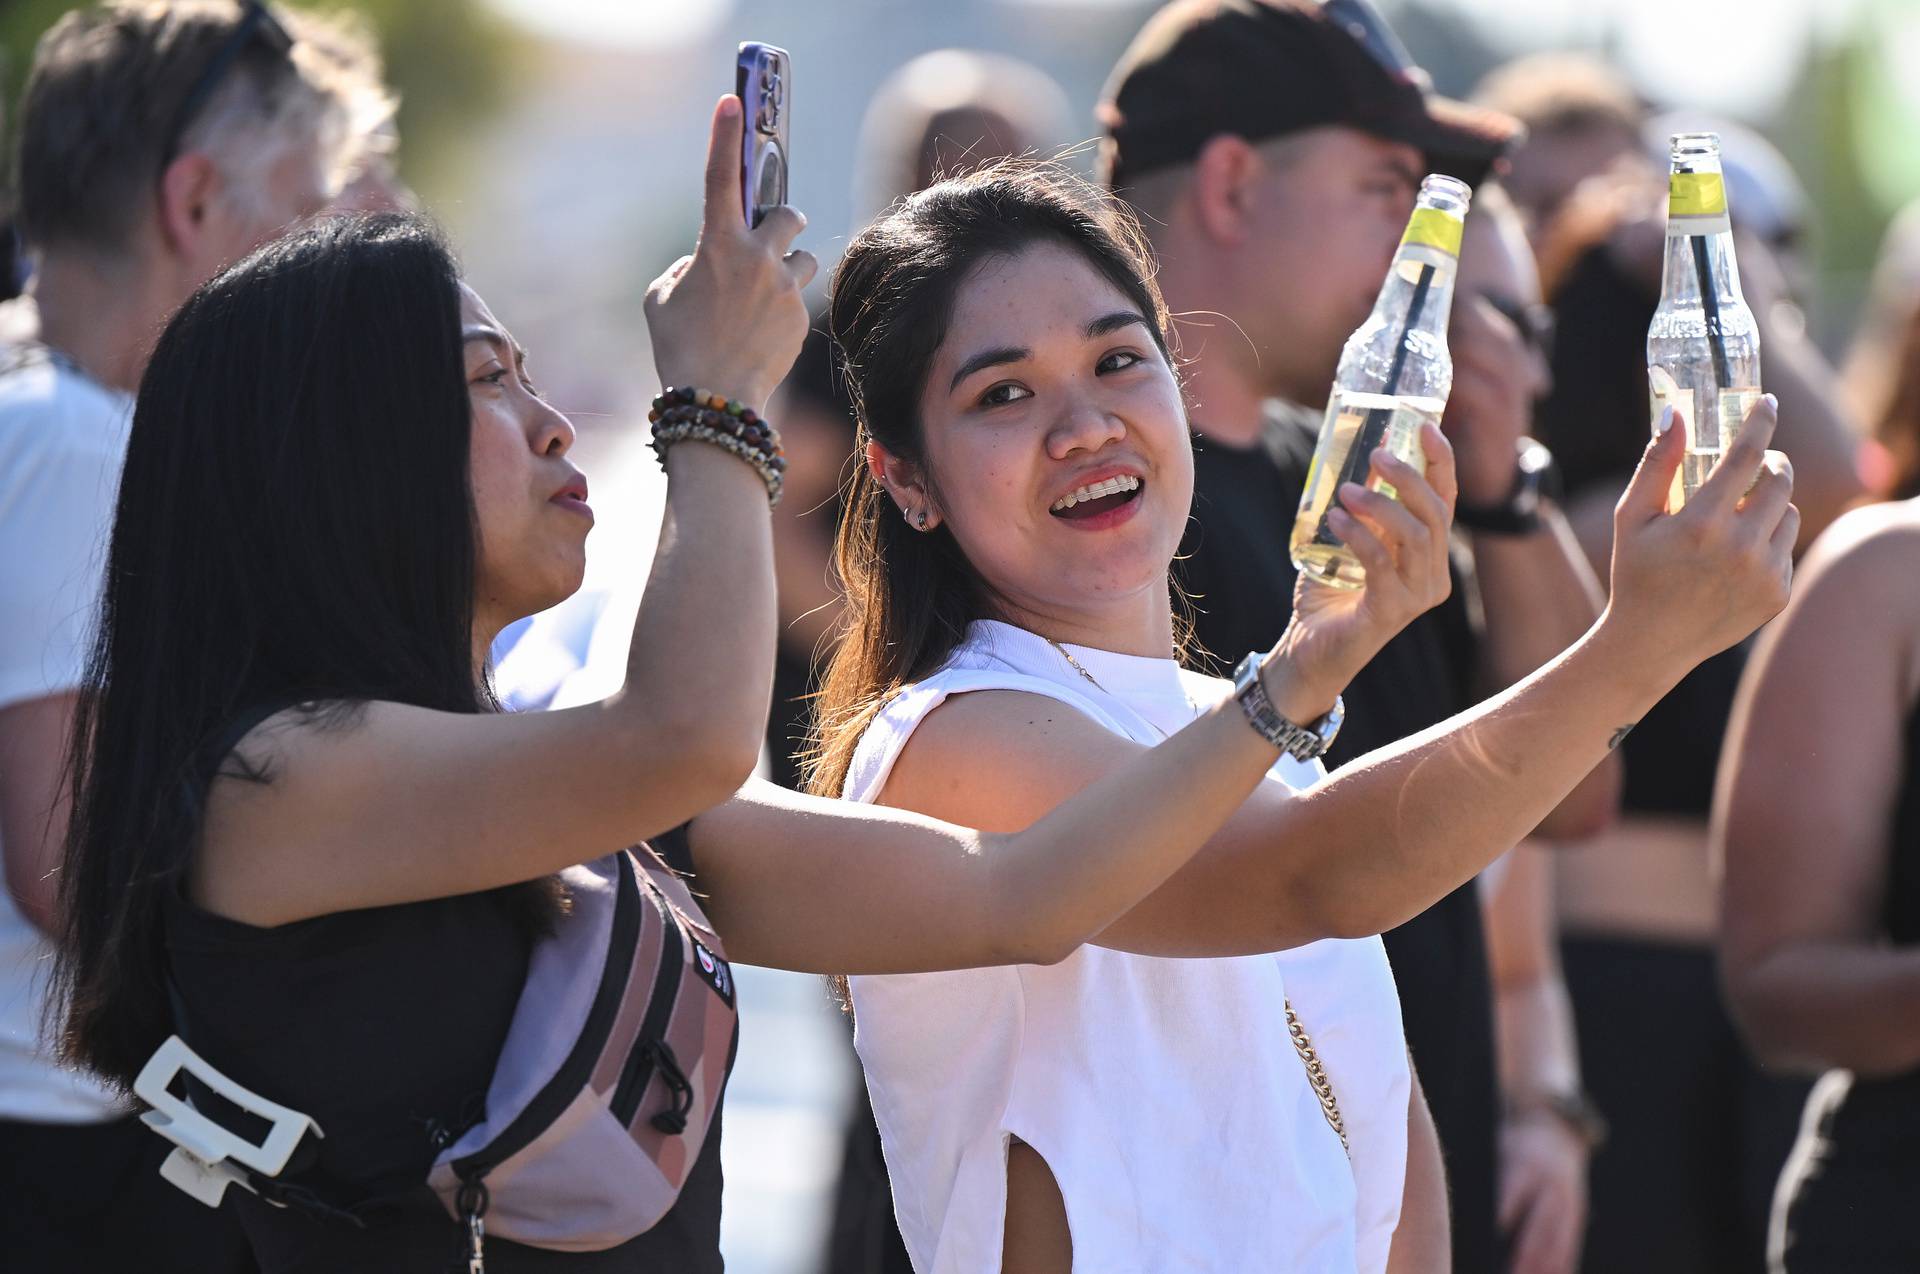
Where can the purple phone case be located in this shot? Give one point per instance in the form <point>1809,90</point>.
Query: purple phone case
<point>763,78</point>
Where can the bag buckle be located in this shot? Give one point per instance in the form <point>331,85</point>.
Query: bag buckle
<point>208,1157</point>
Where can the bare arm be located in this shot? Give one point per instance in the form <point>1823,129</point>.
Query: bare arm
<point>798,882</point>
<point>1543,1161</point>
<point>1537,592</point>
<point>1379,842</point>
<point>33,802</point>
<point>1803,811</point>
<point>1540,595</point>
<point>1423,1241</point>
<point>397,803</point>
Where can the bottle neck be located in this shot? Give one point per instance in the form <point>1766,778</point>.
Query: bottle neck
<point>1418,293</point>
<point>1699,259</point>
<point>1697,266</point>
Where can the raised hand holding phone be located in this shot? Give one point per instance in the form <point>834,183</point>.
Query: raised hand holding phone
<point>730,318</point>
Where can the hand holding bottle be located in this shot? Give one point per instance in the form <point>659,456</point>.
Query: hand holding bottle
<point>1402,544</point>
<point>1687,585</point>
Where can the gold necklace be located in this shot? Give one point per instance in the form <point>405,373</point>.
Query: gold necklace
<point>1317,1077</point>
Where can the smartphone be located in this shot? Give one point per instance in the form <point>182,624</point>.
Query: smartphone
<point>763,79</point>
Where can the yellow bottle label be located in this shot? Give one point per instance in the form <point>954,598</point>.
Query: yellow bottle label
<point>1696,195</point>
<point>1433,228</point>
<point>1697,204</point>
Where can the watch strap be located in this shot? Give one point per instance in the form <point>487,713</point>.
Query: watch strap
<point>1301,742</point>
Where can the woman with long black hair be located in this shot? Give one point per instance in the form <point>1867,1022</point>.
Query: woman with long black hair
<point>306,842</point>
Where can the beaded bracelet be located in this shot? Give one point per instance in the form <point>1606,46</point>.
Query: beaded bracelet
<point>683,413</point>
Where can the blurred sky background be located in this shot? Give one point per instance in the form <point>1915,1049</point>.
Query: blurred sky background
<point>560,142</point>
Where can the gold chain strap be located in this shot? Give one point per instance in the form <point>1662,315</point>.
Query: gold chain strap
<point>1302,1042</point>
<point>1317,1076</point>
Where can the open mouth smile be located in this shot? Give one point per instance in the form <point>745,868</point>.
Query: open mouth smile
<point>1097,498</point>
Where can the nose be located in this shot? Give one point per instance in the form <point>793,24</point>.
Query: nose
<point>1084,425</point>
<point>552,432</point>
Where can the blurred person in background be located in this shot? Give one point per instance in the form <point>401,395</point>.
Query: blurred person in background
<point>1895,469</point>
<point>158,142</point>
<point>943,114</point>
<point>1817,829</point>
<point>1882,372</point>
<point>1274,215</point>
<point>1697,1131</point>
<point>1582,118</point>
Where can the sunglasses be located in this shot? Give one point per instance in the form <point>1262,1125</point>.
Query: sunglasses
<point>1371,32</point>
<point>257,25</point>
<point>1533,322</point>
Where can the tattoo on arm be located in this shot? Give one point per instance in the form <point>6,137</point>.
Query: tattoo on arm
<point>1620,735</point>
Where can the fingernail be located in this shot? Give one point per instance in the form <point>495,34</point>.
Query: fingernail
<point>729,106</point>
<point>1772,402</point>
<point>1665,422</point>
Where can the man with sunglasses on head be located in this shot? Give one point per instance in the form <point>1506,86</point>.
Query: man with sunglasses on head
<point>1274,148</point>
<point>158,143</point>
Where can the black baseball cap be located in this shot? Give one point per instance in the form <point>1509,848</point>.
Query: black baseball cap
<point>1264,68</point>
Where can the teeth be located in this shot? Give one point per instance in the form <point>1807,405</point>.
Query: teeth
<point>1093,491</point>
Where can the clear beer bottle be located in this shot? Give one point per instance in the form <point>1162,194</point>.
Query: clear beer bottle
<point>1703,346</point>
<point>1394,375</point>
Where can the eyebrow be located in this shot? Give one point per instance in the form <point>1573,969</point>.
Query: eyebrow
<point>493,337</point>
<point>1102,326</point>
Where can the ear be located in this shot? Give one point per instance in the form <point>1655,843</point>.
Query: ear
<point>905,484</point>
<point>187,191</point>
<point>1224,174</point>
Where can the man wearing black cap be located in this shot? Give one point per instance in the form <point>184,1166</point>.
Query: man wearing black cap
<point>1274,148</point>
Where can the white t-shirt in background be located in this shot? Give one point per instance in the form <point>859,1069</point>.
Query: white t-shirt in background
<point>62,441</point>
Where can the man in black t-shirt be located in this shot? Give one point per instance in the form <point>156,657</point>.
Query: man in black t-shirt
<point>1274,148</point>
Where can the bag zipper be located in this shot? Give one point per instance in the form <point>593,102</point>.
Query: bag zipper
<point>638,1072</point>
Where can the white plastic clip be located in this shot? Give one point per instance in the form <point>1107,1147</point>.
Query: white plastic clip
<point>203,1164</point>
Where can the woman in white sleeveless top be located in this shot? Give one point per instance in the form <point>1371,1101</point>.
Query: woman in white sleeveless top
<point>1146,1104</point>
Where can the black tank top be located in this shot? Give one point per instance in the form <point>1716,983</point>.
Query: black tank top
<point>384,1025</point>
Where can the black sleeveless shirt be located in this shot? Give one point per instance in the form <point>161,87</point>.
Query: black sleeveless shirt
<point>384,1025</point>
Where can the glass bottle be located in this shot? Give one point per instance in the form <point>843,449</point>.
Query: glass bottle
<point>1394,376</point>
<point>1703,346</point>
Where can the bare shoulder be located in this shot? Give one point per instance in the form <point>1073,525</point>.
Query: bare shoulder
<point>1876,547</point>
<point>998,759</point>
<point>1852,629</point>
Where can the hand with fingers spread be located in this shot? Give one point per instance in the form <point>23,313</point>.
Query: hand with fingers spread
<point>1401,542</point>
<point>730,318</point>
<point>1692,583</point>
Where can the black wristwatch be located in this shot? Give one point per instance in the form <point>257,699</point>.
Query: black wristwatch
<point>1303,742</point>
<point>1535,481</point>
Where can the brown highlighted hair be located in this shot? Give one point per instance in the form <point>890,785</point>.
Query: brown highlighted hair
<point>910,594</point>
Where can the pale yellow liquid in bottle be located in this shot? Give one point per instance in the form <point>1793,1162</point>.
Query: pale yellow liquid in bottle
<point>1704,446</point>
<point>1355,425</point>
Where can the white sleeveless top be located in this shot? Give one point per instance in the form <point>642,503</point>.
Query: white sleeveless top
<point>1165,1094</point>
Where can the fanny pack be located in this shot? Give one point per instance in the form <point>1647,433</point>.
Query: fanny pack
<point>599,1103</point>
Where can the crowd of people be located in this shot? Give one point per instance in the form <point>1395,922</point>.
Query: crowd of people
<point>1548,903</point>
